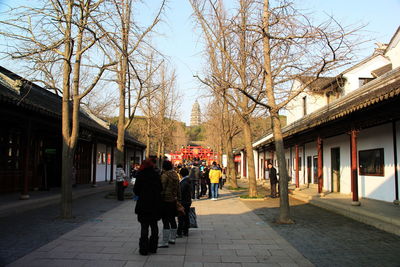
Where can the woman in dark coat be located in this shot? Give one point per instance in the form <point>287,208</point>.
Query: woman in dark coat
<point>186,201</point>
<point>170,195</point>
<point>148,206</point>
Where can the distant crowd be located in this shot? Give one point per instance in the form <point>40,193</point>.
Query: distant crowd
<point>167,194</point>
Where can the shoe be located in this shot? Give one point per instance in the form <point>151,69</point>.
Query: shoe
<point>165,239</point>
<point>172,236</point>
<point>143,246</point>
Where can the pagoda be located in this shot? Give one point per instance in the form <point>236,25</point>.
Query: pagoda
<point>195,116</point>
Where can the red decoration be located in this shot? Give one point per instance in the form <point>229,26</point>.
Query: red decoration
<point>190,153</point>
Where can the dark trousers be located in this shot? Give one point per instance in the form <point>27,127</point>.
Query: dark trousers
<point>203,188</point>
<point>144,231</point>
<point>147,244</point>
<point>120,191</point>
<point>184,222</point>
<point>168,216</point>
<point>221,183</point>
<point>209,190</point>
<point>273,189</point>
<point>195,189</point>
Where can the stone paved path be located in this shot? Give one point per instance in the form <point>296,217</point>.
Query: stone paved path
<point>330,239</point>
<point>26,231</point>
<point>229,234</point>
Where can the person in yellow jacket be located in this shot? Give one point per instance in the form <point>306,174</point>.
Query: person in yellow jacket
<point>214,175</point>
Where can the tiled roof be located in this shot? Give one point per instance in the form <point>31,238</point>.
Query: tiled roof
<point>382,70</point>
<point>322,84</point>
<point>35,98</point>
<point>385,87</point>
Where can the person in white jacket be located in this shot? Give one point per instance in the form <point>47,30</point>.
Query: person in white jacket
<point>120,177</point>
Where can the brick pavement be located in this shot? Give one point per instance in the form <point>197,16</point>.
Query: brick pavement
<point>330,239</point>
<point>229,234</point>
<point>23,232</point>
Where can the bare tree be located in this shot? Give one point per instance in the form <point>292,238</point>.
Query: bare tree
<point>229,39</point>
<point>126,38</point>
<point>56,37</point>
<point>222,128</point>
<point>288,46</point>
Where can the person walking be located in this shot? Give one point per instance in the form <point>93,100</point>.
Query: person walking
<point>194,176</point>
<point>186,201</point>
<point>272,179</point>
<point>215,174</point>
<point>120,177</point>
<point>170,195</point>
<point>148,205</point>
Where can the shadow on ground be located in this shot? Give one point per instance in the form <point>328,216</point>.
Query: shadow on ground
<point>24,232</point>
<point>329,239</point>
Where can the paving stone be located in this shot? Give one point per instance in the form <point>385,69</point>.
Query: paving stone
<point>328,239</point>
<point>229,236</point>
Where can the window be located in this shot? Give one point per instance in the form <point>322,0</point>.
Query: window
<point>300,163</point>
<point>371,162</point>
<point>362,81</point>
<point>10,156</point>
<point>304,105</point>
<point>294,164</point>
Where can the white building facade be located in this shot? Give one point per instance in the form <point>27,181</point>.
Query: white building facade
<point>344,131</point>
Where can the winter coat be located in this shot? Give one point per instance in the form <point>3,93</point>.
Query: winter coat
<point>148,189</point>
<point>272,175</point>
<point>186,191</point>
<point>215,174</point>
<point>194,174</point>
<point>120,175</point>
<point>170,186</point>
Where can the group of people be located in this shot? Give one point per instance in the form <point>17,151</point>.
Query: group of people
<point>160,194</point>
<point>206,178</point>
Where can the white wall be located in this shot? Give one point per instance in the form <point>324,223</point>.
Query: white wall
<point>394,51</point>
<point>295,107</point>
<point>315,101</point>
<point>378,187</point>
<point>363,71</point>
<point>103,170</point>
<point>261,160</point>
<point>256,163</point>
<point>343,143</point>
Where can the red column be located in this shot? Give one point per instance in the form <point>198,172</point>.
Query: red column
<point>354,174</point>
<point>297,167</point>
<point>320,173</point>
<point>112,165</point>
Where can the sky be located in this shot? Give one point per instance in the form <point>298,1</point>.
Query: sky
<point>184,46</point>
<point>178,39</point>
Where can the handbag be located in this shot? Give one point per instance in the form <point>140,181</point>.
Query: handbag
<point>193,218</point>
<point>180,209</point>
<point>125,183</point>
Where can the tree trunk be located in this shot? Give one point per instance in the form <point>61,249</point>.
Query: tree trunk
<point>67,150</point>
<point>119,155</point>
<point>284,209</point>
<point>66,184</point>
<point>251,174</point>
<point>232,174</point>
